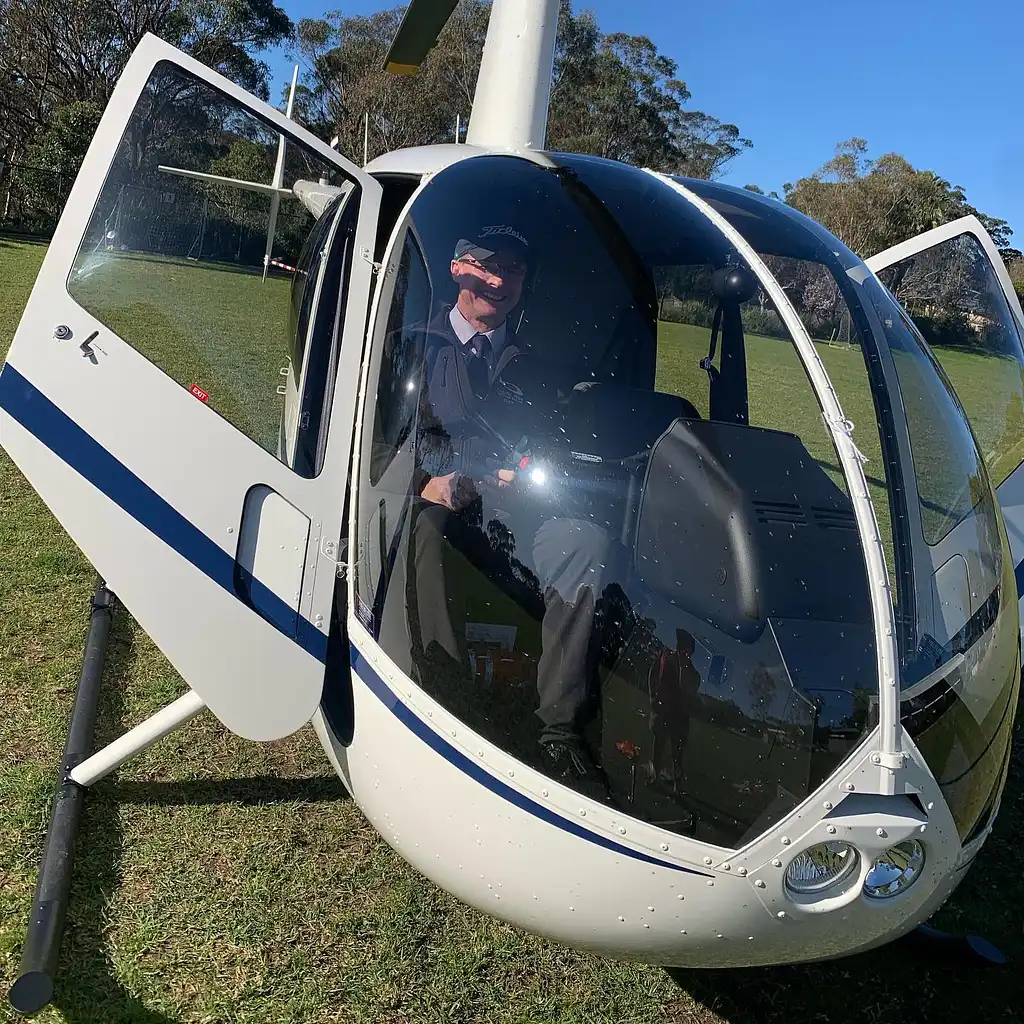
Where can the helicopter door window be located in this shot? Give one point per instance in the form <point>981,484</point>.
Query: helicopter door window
<point>951,292</point>
<point>330,297</point>
<point>948,467</point>
<point>173,261</point>
<point>308,268</point>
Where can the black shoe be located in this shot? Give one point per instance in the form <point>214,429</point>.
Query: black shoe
<point>566,762</point>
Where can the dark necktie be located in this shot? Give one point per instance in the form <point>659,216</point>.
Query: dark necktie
<point>479,364</point>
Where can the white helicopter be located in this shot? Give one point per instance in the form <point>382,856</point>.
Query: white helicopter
<point>656,657</point>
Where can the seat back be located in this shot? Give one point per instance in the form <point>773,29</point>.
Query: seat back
<point>737,524</point>
<point>608,422</point>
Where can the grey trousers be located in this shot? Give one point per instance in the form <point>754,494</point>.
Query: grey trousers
<point>573,559</point>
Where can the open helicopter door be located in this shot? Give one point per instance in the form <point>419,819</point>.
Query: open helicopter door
<point>953,283</point>
<point>958,265</point>
<point>142,394</point>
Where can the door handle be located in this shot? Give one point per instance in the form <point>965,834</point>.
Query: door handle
<point>86,347</point>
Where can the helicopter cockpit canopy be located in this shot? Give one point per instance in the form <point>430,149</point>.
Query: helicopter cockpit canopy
<point>631,559</point>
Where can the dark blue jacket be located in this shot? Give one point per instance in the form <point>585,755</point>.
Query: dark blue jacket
<point>448,438</point>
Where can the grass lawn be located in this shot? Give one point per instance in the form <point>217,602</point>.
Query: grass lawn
<point>218,880</point>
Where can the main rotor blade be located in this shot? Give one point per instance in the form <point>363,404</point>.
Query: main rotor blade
<point>423,22</point>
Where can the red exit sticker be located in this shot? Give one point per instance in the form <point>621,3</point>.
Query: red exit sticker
<point>199,393</point>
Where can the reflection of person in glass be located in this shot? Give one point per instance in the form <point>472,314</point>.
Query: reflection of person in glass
<point>673,684</point>
<point>469,343</point>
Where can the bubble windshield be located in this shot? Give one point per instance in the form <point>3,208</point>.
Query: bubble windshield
<point>600,518</point>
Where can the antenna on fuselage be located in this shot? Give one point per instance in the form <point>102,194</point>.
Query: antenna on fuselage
<point>275,198</point>
<point>513,90</point>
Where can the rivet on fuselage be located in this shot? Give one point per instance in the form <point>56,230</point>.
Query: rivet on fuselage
<point>621,918</point>
<point>849,787</point>
<point>680,897</point>
<point>785,840</point>
<point>880,832</point>
<point>760,883</point>
<point>827,805</point>
<point>664,847</point>
<point>781,914</point>
<point>741,871</point>
<point>622,830</point>
<point>711,881</point>
<point>830,829</point>
<point>777,863</point>
<point>543,792</point>
<point>583,812</point>
<point>651,909</point>
<point>707,860</point>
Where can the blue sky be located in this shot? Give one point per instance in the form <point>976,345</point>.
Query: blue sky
<point>935,80</point>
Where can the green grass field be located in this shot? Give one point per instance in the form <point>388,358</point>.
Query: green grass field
<point>223,881</point>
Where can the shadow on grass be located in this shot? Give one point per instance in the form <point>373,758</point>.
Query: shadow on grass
<point>86,987</point>
<point>250,792</point>
<point>7,238</point>
<point>906,981</point>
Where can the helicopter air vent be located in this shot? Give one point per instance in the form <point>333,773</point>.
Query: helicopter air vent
<point>780,512</point>
<point>834,518</point>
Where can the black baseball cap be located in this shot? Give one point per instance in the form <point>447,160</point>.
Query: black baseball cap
<point>490,239</point>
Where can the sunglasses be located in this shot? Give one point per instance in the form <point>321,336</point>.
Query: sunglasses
<point>516,268</point>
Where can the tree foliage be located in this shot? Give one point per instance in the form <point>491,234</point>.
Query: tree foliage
<point>873,204</point>
<point>1016,268</point>
<point>55,54</point>
<point>612,95</point>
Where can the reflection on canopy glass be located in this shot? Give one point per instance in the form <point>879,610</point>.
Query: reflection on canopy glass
<point>174,264</point>
<point>641,577</point>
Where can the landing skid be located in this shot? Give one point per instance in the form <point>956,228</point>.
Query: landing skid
<point>79,769</point>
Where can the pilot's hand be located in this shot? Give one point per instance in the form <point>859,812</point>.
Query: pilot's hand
<point>506,477</point>
<point>453,490</point>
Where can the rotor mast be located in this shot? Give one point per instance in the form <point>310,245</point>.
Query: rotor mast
<point>513,90</point>
<point>510,108</point>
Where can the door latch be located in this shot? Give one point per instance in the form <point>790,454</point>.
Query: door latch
<point>86,347</point>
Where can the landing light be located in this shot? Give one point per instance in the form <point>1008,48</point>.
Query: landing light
<point>820,867</point>
<point>895,871</point>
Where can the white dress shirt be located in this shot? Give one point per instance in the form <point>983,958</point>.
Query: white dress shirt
<point>465,331</point>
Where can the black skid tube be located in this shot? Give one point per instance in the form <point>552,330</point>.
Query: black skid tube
<point>33,989</point>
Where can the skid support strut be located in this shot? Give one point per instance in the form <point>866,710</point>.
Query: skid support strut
<point>79,769</point>
<point>34,987</point>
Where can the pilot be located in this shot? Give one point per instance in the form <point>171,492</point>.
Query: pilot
<point>467,346</point>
